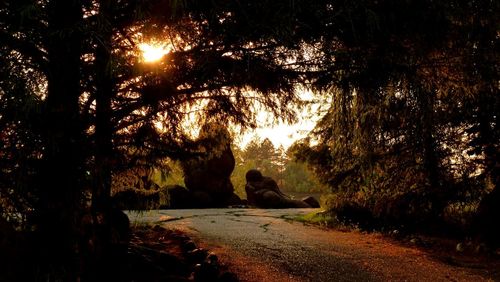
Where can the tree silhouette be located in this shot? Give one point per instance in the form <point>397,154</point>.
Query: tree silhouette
<point>409,91</point>
<point>92,106</point>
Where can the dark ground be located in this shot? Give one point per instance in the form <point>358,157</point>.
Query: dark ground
<point>159,254</point>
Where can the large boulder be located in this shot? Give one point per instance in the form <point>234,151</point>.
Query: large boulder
<point>178,197</point>
<point>208,177</point>
<point>211,176</point>
<point>235,200</point>
<point>175,197</point>
<point>202,199</point>
<point>263,192</point>
<point>311,201</point>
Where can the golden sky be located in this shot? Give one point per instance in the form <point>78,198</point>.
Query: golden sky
<point>281,134</point>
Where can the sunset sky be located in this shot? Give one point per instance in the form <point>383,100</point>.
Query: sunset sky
<point>281,134</point>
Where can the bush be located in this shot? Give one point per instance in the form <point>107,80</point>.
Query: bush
<point>349,210</point>
<point>175,197</point>
<point>137,199</point>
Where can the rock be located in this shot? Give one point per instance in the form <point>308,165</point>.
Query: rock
<point>228,277</point>
<point>211,173</point>
<point>206,272</point>
<point>270,199</point>
<point>176,197</point>
<point>264,192</point>
<point>234,200</point>
<point>158,228</point>
<point>179,236</point>
<point>298,204</point>
<point>212,258</point>
<point>197,255</point>
<point>201,199</point>
<point>188,246</point>
<point>171,263</point>
<point>149,264</point>
<point>311,201</point>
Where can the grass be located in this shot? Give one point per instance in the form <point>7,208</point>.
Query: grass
<point>322,219</point>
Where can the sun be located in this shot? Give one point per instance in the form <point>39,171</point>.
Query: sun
<point>153,52</point>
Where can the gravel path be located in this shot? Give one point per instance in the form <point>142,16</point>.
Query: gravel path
<point>261,245</point>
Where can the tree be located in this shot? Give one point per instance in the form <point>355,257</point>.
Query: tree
<point>263,155</point>
<point>101,101</point>
<point>241,167</point>
<point>399,74</point>
<point>49,46</point>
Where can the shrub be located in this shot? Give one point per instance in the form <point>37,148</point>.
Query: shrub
<point>137,199</point>
<point>350,210</point>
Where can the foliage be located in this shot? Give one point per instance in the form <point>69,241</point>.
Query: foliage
<point>130,110</point>
<point>172,176</point>
<point>264,156</point>
<point>297,177</point>
<point>413,120</point>
<point>412,83</point>
<point>79,104</point>
<point>137,199</point>
<point>238,176</point>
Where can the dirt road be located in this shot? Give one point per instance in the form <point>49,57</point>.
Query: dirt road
<point>262,245</point>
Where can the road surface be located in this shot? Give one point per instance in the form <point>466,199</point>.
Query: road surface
<point>262,245</point>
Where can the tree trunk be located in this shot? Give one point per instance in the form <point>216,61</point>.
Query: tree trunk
<point>484,45</point>
<point>98,266</point>
<point>487,136</point>
<point>430,159</point>
<point>489,208</point>
<point>61,184</point>
<point>101,192</point>
<point>428,148</point>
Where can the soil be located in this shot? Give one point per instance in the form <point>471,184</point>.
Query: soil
<point>159,254</point>
<point>455,252</point>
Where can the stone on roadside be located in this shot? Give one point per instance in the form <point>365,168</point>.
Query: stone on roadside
<point>206,272</point>
<point>228,277</point>
<point>188,246</point>
<point>311,201</point>
<point>197,255</point>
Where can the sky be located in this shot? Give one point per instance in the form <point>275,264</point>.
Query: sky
<point>280,134</point>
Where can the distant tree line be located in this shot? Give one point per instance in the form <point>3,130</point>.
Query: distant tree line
<point>261,154</point>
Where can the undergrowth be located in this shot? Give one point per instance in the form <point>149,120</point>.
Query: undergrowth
<point>322,219</point>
